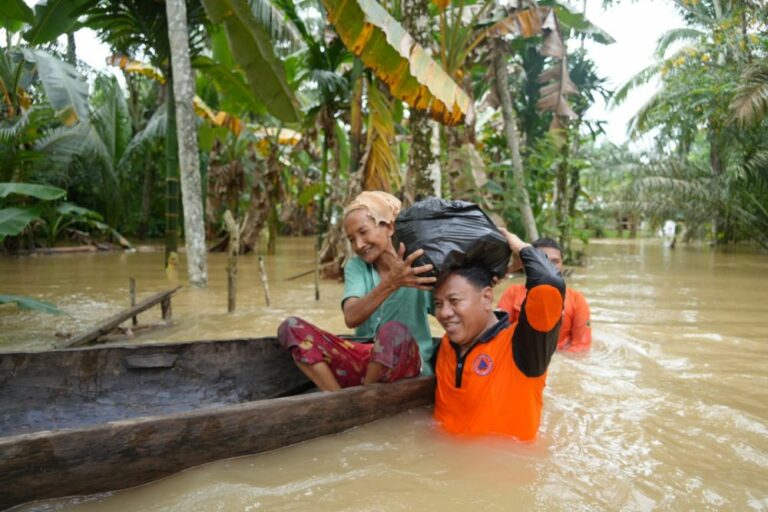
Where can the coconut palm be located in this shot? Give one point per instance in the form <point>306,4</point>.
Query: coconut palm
<point>700,94</point>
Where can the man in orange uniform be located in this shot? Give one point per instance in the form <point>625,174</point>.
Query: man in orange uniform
<point>490,372</point>
<point>575,333</point>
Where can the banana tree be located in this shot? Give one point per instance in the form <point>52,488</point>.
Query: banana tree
<point>23,118</point>
<point>14,218</point>
<point>411,75</point>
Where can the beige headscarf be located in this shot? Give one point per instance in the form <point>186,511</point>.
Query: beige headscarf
<point>381,206</point>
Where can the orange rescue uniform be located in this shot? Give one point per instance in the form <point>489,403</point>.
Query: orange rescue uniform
<point>575,332</point>
<point>496,386</point>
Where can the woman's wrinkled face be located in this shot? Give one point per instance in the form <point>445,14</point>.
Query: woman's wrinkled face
<point>368,239</point>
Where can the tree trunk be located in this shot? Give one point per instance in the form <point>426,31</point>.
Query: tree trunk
<point>146,200</point>
<point>716,165</point>
<point>513,140</point>
<point>418,182</point>
<point>258,211</point>
<point>356,118</point>
<point>561,198</point>
<point>184,92</point>
<point>71,49</point>
<point>273,193</point>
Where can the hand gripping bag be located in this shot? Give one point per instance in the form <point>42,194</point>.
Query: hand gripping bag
<point>452,234</point>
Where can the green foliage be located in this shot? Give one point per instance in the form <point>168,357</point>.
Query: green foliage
<point>31,304</point>
<point>65,89</point>
<point>709,120</point>
<point>44,192</point>
<point>53,18</point>
<point>15,11</point>
<point>581,25</point>
<point>15,218</point>
<point>252,49</point>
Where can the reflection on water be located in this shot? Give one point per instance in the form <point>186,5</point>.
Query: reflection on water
<point>668,411</point>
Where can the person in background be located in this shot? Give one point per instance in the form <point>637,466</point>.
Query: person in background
<point>491,372</point>
<point>576,331</point>
<point>385,300</point>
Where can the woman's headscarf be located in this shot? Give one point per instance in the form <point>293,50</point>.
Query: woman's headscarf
<point>381,206</point>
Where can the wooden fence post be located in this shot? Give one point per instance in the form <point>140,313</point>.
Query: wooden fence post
<point>233,250</point>
<point>132,291</point>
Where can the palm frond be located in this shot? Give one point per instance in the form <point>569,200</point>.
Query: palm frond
<point>641,78</point>
<point>750,103</point>
<point>9,131</point>
<point>61,145</point>
<point>285,21</point>
<point>152,132</point>
<point>641,121</point>
<point>676,35</point>
<point>112,119</point>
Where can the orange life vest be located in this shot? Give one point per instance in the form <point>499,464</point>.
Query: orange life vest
<point>488,394</point>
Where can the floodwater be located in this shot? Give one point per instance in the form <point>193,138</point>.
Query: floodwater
<point>668,411</point>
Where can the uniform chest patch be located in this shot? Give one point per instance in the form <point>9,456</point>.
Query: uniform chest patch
<point>482,365</point>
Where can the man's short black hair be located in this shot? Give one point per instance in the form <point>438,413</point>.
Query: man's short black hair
<point>479,277</point>
<point>547,242</point>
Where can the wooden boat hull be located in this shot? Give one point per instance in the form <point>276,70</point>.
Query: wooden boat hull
<point>130,449</point>
<point>78,387</point>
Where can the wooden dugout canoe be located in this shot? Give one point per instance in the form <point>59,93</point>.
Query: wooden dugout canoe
<point>82,421</point>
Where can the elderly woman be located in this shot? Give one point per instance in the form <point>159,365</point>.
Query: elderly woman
<point>385,300</point>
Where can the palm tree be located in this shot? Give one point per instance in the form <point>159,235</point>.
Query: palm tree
<point>141,26</point>
<point>700,90</point>
<point>184,93</point>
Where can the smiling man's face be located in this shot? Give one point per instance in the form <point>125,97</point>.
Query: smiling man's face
<point>463,309</point>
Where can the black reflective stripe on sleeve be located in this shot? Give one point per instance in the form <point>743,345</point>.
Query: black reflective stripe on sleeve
<point>539,270</point>
<point>532,350</point>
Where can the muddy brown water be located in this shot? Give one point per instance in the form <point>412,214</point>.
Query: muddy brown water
<point>669,411</point>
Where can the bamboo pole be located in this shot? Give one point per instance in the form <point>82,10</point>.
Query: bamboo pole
<point>264,283</point>
<point>234,248</point>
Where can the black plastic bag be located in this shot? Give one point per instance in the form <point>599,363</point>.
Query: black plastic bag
<point>452,234</point>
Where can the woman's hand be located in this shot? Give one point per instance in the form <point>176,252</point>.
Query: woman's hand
<point>401,271</point>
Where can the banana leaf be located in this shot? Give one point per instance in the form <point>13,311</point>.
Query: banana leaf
<point>45,192</point>
<point>379,163</point>
<point>411,74</point>
<point>65,89</point>
<point>53,18</point>
<point>31,304</point>
<point>253,51</point>
<point>14,220</point>
<point>235,94</point>
<point>15,13</point>
<point>580,24</point>
<point>557,84</point>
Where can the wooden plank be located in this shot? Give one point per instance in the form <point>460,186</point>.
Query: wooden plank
<point>115,320</point>
<point>127,453</point>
